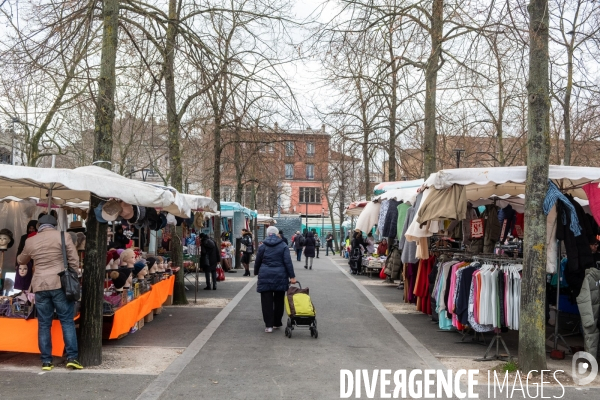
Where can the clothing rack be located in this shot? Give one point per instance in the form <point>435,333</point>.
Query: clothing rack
<point>497,339</point>
<point>557,336</point>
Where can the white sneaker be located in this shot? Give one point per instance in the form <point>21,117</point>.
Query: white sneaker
<point>268,330</point>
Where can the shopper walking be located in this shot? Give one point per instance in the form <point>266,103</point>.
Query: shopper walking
<point>275,271</point>
<point>298,242</point>
<point>317,244</point>
<point>309,250</point>
<point>283,238</point>
<point>329,243</point>
<point>248,250</point>
<point>357,246</point>
<point>210,256</point>
<point>46,251</point>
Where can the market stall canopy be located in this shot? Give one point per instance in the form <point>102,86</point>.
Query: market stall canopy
<point>482,183</point>
<point>265,220</point>
<point>186,203</point>
<point>384,187</point>
<point>355,208</point>
<point>229,207</point>
<point>369,217</point>
<point>406,195</point>
<point>75,185</point>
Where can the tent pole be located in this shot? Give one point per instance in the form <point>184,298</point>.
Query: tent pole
<point>50,198</point>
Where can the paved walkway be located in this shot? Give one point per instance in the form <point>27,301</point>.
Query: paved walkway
<point>228,354</point>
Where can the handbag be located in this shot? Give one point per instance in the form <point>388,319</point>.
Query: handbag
<point>220,274</point>
<point>243,247</point>
<point>69,280</point>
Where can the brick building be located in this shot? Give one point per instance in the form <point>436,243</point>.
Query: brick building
<point>277,171</point>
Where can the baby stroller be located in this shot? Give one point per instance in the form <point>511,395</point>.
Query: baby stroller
<point>300,310</point>
<point>355,262</point>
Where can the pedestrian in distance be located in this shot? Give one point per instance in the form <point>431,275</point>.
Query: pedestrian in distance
<point>317,244</point>
<point>309,250</point>
<point>46,251</point>
<point>358,247</point>
<point>329,243</point>
<point>298,242</point>
<point>275,271</point>
<point>247,251</point>
<point>210,257</point>
<point>283,238</point>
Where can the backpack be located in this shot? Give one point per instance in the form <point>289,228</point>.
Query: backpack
<point>302,241</point>
<point>318,242</point>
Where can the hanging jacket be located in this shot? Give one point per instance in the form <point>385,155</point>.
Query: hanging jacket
<point>391,220</point>
<point>579,254</point>
<point>394,263</point>
<point>588,302</point>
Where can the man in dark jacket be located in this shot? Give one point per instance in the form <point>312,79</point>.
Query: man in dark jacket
<point>248,251</point>
<point>210,256</point>
<point>329,241</point>
<point>283,238</point>
<point>298,241</point>
<point>275,271</point>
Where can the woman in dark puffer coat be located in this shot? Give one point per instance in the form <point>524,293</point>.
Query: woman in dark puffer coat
<point>275,271</point>
<point>309,249</point>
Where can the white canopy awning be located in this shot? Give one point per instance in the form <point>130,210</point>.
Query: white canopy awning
<point>265,220</point>
<point>407,195</point>
<point>501,181</point>
<point>369,217</point>
<point>75,185</point>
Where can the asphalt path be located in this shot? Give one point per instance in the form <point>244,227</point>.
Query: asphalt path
<point>228,355</point>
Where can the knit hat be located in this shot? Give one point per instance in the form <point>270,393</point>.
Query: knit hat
<point>119,277</point>
<point>171,220</point>
<point>111,255</point>
<point>138,266</point>
<point>151,261</point>
<point>272,230</point>
<point>136,215</point>
<point>10,235</point>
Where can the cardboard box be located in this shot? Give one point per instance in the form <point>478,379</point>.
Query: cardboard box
<point>149,317</point>
<point>158,311</point>
<point>169,301</point>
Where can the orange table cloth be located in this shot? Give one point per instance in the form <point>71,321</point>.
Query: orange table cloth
<point>21,336</point>
<point>126,316</point>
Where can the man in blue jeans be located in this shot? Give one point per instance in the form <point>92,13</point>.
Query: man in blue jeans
<point>298,245</point>
<point>45,249</point>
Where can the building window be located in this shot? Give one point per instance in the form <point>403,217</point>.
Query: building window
<point>289,149</point>
<point>310,195</point>
<point>226,193</point>
<point>289,171</point>
<point>310,171</point>
<point>262,148</point>
<point>270,148</point>
<point>310,149</point>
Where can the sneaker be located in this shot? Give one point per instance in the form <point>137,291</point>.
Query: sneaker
<point>47,366</point>
<point>268,330</point>
<point>74,364</point>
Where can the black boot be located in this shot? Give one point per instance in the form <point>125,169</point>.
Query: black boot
<point>215,286</point>
<point>207,287</point>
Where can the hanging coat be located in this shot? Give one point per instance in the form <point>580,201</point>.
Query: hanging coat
<point>588,302</point>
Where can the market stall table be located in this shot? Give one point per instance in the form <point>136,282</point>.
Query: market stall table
<point>127,316</point>
<point>21,335</point>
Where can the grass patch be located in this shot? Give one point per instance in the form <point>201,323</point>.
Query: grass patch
<point>510,366</point>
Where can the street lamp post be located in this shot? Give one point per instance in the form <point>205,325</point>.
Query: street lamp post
<point>306,215</point>
<point>322,220</point>
<point>458,153</point>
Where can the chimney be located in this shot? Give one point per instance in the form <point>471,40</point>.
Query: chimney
<point>323,128</point>
<point>276,126</point>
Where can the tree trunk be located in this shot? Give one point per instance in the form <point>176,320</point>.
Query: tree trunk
<point>532,351</point>
<point>216,192</point>
<point>392,117</point>
<point>567,105</point>
<point>431,71</point>
<point>366,160</point>
<point>501,104</point>
<point>176,170</point>
<point>90,343</point>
